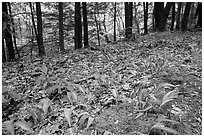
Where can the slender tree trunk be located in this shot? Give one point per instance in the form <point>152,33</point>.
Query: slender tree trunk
<point>145,8</point>
<point>158,9</point>
<point>186,16</point>
<point>128,19</point>
<point>173,16</point>
<point>78,27</point>
<point>97,29</point>
<point>104,22</point>
<point>199,14</point>
<point>178,16</point>
<point>85,24</point>
<point>39,28</point>
<point>61,27</point>
<point>164,17</point>
<point>6,34</point>
<point>121,20</point>
<point>136,20</point>
<point>192,14</point>
<point>115,22</point>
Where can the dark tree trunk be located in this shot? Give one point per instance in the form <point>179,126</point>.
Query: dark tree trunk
<point>61,27</point>
<point>158,9</point>
<point>145,8</point>
<point>199,13</point>
<point>85,24</point>
<point>78,27</point>
<point>186,16</point>
<point>128,19</point>
<point>192,14</point>
<point>178,16</point>
<point>165,15</point>
<point>6,34</point>
<point>41,47</point>
<point>104,22</point>
<point>136,20</point>
<point>173,16</point>
<point>97,29</point>
<point>115,22</point>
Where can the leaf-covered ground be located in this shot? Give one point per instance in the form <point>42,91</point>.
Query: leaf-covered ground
<point>149,86</point>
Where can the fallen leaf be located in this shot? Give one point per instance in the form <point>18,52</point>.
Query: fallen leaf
<point>23,125</point>
<point>68,113</point>
<point>9,126</point>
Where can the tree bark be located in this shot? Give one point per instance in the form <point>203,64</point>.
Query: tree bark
<point>136,20</point>
<point>158,9</point>
<point>165,15</point>
<point>78,27</point>
<point>39,28</point>
<point>104,22</point>
<point>199,13</point>
<point>192,14</point>
<point>115,22</point>
<point>145,8</point>
<point>128,19</point>
<point>85,24</point>
<point>6,34</point>
<point>178,16</point>
<point>173,16</point>
<point>186,16</point>
<point>61,27</point>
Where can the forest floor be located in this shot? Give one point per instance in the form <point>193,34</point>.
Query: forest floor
<point>152,85</point>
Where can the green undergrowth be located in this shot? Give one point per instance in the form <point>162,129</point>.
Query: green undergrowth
<point>152,85</point>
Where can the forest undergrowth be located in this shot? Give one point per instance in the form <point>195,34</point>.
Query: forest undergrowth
<point>152,85</point>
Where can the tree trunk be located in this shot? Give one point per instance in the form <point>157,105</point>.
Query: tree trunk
<point>199,13</point>
<point>7,36</point>
<point>85,24</point>
<point>192,14</point>
<point>145,8</point>
<point>39,28</point>
<point>128,19</point>
<point>78,27</point>
<point>186,16</point>
<point>136,20</point>
<point>173,16</point>
<point>158,9</point>
<point>61,27</point>
<point>97,29</point>
<point>104,22</point>
<point>115,22</point>
<point>178,16</point>
<point>165,15</point>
